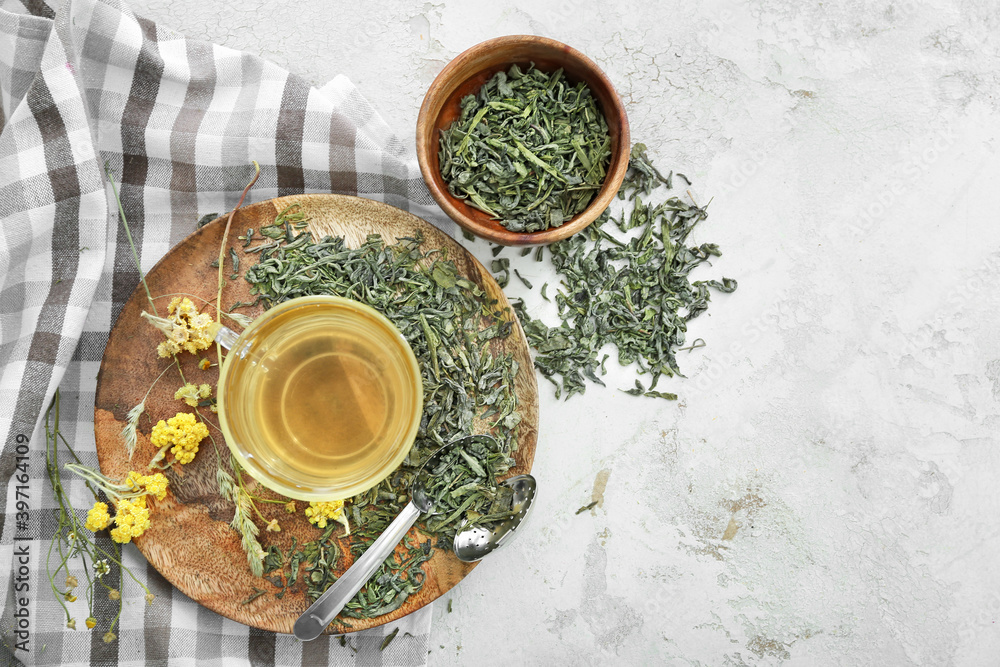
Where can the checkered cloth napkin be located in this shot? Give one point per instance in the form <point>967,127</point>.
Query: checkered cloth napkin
<point>88,83</point>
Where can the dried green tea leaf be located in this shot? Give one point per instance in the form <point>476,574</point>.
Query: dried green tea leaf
<point>388,639</point>
<point>522,279</point>
<point>234,260</point>
<point>205,219</point>
<point>661,394</point>
<point>625,284</point>
<point>253,596</point>
<point>530,149</point>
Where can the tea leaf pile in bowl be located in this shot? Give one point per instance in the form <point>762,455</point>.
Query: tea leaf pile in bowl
<point>529,149</point>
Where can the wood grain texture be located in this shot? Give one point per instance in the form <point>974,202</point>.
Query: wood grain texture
<point>190,541</point>
<point>465,75</point>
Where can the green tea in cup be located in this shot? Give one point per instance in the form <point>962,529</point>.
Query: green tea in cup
<point>320,398</point>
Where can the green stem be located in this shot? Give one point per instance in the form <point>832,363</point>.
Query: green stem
<point>128,235</point>
<point>268,500</point>
<point>114,489</point>
<point>67,519</point>
<point>52,582</point>
<point>243,490</point>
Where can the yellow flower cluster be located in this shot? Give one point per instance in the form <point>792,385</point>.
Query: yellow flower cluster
<point>182,433</point>
<point>191,394</point>
<point>190,330</point>
<point>319,512</point>
<point>98,517</point>
<point>155,484</point>
<point>132,519</point>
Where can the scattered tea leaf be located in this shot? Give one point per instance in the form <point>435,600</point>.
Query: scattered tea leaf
<point>661,394</point>
<point>388,639</point>
<point>625,283</point>
<point>256,594</point>
<point>205,219</point>
<point>522,279</point>
<point>502,266</point>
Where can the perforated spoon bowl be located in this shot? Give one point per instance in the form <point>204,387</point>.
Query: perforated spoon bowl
<point>474,543</point>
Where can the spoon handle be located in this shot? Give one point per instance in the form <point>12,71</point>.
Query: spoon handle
<point>314,620</point>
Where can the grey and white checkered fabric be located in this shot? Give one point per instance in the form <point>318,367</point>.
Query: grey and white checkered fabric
<point>87,83</point>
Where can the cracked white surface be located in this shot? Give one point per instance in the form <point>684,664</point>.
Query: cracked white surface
<point>825,490</point>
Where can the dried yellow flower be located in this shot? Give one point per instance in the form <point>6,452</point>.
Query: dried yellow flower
<point>154,485</point>
<point>71,624</point>
<point>109,637</point>
<point>132,519</point>
<point>204,364</point>
<point>185,328</point>
<point>113,594</point>
<point>319,512</point>
<point>149,598</point>
<point>133,480</point>
<point>98,517</point>
<point>290,507</point>
<point>91,622</point>
<point>273,526</point>
<point>182,432</point>
<point>192,394</point>
<point>71,582</point>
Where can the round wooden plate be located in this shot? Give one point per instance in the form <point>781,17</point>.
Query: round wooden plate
<point>190,541</point>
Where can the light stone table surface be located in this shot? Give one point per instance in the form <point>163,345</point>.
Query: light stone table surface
<point>824,492</point>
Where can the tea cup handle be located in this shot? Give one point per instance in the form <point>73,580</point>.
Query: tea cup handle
<point>225,337</point>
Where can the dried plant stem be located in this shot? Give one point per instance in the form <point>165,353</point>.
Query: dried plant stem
<point>71,539</point>
<point>129,433</point>
<point>235,317</point>
<point>242,520</point>
<point>222,252</point>
<point>128,235</point>
<point>135,256</point>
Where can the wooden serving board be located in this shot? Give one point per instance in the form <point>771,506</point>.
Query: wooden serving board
<point>190,541</point>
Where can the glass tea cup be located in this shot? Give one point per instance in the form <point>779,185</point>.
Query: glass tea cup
<point>319,398</point>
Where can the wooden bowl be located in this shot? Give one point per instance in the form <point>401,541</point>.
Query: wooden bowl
<point>465,75</point>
